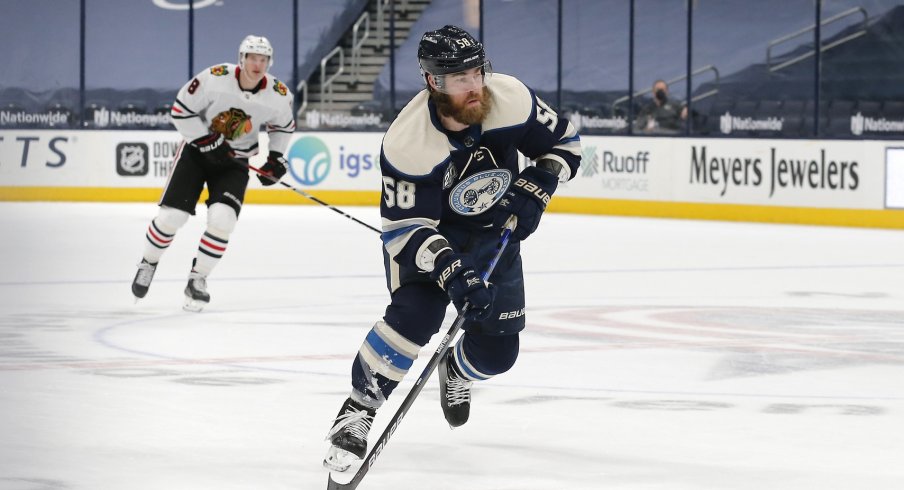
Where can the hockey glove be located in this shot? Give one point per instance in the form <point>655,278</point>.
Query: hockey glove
<point>275,168</point>
<point>214,148</point>
<point>526,199</point>
<point>455,274</point>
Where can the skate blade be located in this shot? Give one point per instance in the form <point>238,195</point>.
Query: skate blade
<point>193,305</point>
<point>338,459</point>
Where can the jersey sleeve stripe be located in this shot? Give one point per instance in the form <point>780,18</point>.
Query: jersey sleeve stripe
<point>396,234</point>
<point>390,236</point>
<point>284,126</point>
<point>573,147</point>
<point>185,107</point>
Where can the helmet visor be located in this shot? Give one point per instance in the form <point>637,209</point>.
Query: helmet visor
<point>461,82</point>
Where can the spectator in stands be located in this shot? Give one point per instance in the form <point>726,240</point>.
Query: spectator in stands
<point>661,115</point>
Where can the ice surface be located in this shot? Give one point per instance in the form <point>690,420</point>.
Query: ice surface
<point>659,354</point>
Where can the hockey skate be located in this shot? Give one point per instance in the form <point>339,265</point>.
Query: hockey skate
<point>348,435</point>
<point>454,392</point>
<point>196,297</point>
<point>143,278</point>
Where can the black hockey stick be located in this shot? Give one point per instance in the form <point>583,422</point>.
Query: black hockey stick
<point>419,384</point>
<point>304,194</point>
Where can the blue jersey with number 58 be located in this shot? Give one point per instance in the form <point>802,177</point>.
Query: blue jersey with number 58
<point>435,180</point>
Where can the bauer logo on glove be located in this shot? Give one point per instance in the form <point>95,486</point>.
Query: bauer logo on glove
<point>526,199</point>
<point>447,272</point>
<point>533,189</point>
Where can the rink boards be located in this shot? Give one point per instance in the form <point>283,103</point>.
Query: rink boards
<point>834,182</point>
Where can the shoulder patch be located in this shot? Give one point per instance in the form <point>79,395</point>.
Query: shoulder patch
<point>280,87</point>
<point>219,70</point>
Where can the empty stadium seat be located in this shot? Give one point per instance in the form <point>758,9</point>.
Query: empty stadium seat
<point>893,109</point>
<point>770,108</point>
<point>838,126</point>
<point>746,108</point>
<point>871,108</point>
<point>793,106</point>
<point>841,108</point>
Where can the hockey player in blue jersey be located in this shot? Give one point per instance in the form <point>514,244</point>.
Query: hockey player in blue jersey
<point>451,179</point>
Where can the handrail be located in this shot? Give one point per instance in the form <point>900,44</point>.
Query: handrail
<point>326,84</point>
<point>381,28</point>
<point>678,79</point>
<point>357,43</point>
<point>822,48</point>
<point>400,6</point>
<point>303,88</point>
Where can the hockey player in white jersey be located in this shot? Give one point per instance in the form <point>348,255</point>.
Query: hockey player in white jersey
<point>451,180</point>
<point>218,113</point>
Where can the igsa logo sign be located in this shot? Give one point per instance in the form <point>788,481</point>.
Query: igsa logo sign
<point>310,161</point>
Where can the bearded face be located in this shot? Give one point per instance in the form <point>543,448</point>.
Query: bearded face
<point>467,108</point>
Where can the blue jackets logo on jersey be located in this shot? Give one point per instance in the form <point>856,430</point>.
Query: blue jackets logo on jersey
<point>479,192</point>
<point>309,160</point>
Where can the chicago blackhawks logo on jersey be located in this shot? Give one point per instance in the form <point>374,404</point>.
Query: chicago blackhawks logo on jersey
<point>219,71</point>
<point>479,192</point>
<point>280,87</point>
<point>233,124</point>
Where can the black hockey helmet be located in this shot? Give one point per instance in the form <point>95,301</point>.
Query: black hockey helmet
<point>449,50</point>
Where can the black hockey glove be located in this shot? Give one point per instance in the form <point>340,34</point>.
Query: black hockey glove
<point>526,199</point>
<point>214,148</point>
<point>275,167</point>
<point>455,274</point>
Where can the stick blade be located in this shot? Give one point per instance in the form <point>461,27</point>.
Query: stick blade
<point>334,485</point>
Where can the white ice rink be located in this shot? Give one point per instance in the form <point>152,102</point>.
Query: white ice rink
<point>659,354</point>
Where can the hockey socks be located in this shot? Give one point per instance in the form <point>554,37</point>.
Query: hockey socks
<point>157,242</point>
<point>210,250</point>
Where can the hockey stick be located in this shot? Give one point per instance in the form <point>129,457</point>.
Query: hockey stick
<point>304,194</point>
<point>419,384</point>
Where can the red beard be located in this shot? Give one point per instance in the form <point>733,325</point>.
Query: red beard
<point>461,112</point>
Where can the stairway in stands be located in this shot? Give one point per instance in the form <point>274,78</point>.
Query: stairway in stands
<point>352,89</point>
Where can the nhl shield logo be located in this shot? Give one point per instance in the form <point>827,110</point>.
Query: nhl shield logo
<point>857,124</point>
<point>725,123</point>
<point>479,192</point>
<point>132,159</point>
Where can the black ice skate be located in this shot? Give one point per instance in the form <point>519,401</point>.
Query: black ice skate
<point>196,296</point>
<point>454,392</point>
<point>143,278</point>
<point>349,435</point>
